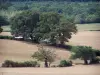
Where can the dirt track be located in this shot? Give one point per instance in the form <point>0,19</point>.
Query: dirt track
<point>75,70</point>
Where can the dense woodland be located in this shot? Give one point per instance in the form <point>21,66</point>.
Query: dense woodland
<point>52,0</point>
<point>81,12</point>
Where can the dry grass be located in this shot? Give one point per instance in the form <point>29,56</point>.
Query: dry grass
<point>20,51</point>
<point>87,38</point>
<point>74,70</point>
<point>88,27</point>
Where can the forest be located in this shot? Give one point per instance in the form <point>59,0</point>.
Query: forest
<point>53,0</point>
<point>81,12</point>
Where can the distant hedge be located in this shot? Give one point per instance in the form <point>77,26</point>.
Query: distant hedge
<point>10,63</point>
<point>10,38</point>
<point>64,63</point>
<point>6,37</point>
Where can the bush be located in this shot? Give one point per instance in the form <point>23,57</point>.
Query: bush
<point>6,37</point>
<point>64,63</point>
<point>97,52</point>
<point>10,63</point>
<point>1,29</point>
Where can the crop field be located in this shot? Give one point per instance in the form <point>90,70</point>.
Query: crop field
<point>21,51</point>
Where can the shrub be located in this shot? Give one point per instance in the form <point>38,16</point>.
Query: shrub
<point>97,52</point>
<point>1,29</point>
<point>10,63</point>
<point>6,37</point>
<point>64,63</point>
<point>83,52</point>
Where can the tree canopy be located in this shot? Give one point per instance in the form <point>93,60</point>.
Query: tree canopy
<point>24,24</point>
<point>3,21</point>
<point>83,52</point>
<point>42,26</point>
<point>45,54</point>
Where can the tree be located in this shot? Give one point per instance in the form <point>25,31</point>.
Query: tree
<point>5,4</point>
<point>54,29</point>
<point>45,55</point>
<point>24,24</point>
<point>3,21</point>
<point>83,52</point>
<point>1,29</point>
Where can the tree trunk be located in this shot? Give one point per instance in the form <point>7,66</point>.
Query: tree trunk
<point>49,64</point>
<point>31,38</point>
<point>62,42</point>
<point>85,62</point>
<point>46,62</point>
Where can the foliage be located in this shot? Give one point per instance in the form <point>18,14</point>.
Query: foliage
<point>24,24</point>
<point>10,63</point>
<point>1,29</point>
<point>95,60</point>
<point>83,52</point>
<point>45,55</point>
<point>51,0</point>
<point>97,52</point>
<point>6,37</point>
<point>83,12</point>
<point>4,5</point>
<point>3,21</point>
<point>64,63</point>
<point>53,29</point>
<point>42,26</point>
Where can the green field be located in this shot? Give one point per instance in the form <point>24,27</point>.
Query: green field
<point>89,27</point>
<point>6,28</point>
<point>80,27</point>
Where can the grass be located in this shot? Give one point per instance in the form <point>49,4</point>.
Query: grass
<point>6,28</point>
<point>80,27</point>
<point>89,27</point>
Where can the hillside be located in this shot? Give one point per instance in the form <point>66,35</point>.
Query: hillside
<point>21,51</point>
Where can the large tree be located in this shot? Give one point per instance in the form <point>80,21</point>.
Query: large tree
<point>83,52</point>
<point>3,21</point>
<point>54,29</point>
<point>46,55</point>
<point>24,24</point>
<point>42,26</point>
<point>1,29</point>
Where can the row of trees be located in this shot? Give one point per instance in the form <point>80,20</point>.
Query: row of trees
<point>42,26</point>
<point>79,52</point>
<point>82,12</point>
<point>51,0</point>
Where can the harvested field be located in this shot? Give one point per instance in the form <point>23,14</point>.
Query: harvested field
<point>74,70</point>
<point>87,38</point>
<point>5,33</point>
<point>20,51</point>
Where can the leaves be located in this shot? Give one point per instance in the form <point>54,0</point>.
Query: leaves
<point>43,53</point>
<point>83,52</point>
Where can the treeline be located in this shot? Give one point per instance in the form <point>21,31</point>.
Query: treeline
<point>52,0</point>
<point>81,12</point>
